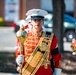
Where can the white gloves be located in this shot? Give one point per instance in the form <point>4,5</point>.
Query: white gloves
<point>20,59</point>
<point>57,71</point>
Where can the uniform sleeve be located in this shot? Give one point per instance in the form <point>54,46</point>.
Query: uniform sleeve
<point>55,53</point>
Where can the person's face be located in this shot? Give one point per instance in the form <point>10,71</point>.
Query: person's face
<point>37,23</point>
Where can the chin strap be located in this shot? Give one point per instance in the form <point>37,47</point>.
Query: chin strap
<point>57,71</point>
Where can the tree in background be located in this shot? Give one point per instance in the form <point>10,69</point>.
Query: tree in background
<point>58,15</point>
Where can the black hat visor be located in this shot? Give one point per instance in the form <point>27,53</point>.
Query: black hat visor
<point>37,17</point>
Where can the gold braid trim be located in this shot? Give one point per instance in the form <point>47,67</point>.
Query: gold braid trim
<point>27,69</point>
<point>36,59</point>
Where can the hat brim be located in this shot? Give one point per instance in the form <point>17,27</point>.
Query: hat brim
<point>37,17</point>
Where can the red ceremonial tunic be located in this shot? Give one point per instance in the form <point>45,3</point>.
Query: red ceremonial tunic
<point>29,45</point>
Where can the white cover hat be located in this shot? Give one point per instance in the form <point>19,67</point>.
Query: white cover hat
<point>36,12</point>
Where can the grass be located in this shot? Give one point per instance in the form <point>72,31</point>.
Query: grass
<point>7,63</point>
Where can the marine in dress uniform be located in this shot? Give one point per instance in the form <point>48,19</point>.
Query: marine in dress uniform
<point>38,40</point>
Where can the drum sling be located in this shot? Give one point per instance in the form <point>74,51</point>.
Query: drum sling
<point>37,57</point>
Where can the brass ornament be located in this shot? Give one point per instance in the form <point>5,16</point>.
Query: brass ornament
<point>21,35</point>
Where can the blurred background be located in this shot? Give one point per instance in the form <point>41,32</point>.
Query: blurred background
<point>13,11</point>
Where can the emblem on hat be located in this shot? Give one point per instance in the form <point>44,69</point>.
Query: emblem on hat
<point>37,11</point>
